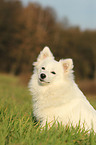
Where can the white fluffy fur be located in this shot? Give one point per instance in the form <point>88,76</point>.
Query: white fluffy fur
<point>58,97</point>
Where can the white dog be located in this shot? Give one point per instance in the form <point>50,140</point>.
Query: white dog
<point>56,95</point>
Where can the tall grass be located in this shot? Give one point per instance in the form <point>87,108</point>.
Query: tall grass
<point>17,126</point>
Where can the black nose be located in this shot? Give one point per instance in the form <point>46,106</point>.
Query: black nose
<point>43,76</point>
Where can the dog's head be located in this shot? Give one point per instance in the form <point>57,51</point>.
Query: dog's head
<point>48,69</point>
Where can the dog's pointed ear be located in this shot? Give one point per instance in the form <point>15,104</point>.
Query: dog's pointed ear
<point>67,64</point>
<point>44,54</point>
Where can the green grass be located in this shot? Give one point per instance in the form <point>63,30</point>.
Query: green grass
<point>17,125</point>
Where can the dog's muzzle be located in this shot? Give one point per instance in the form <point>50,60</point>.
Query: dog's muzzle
<point>42,77</point>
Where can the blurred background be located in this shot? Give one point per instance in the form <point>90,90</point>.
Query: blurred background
<point>67,27</point>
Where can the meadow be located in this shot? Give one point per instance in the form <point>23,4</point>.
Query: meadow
<point>18,127</point>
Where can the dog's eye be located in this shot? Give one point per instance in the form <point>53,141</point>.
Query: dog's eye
<point>53,72</point>
<point>43,68</point>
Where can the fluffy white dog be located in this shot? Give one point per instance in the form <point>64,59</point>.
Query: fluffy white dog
<point>56,95</point>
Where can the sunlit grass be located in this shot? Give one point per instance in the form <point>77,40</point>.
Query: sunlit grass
<point>17,125</point>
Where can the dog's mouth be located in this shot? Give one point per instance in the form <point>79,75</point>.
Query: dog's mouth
<point>43,81</point>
